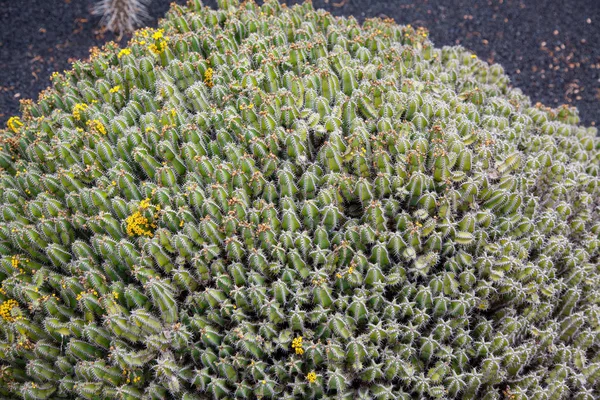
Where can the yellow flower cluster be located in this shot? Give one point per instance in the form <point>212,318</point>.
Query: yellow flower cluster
<point>319,281</point>
<point>158,48</point>
<point>115,89</point>
<point>349,272</point>
<point>139,225</point>
<point>25,343</point>
<point>311,377</point>
<point>297,345</point>
<point>144,204</point>
<point>90,291</point>
<point>20,172</point>
<point>6,310</point>
<point>208,77</point>
<point>77,109</point>
<point>158,34</point>
<point>97,126</point>
<point>14,262</point>
<point>160,41</point>
<point>421,31</point>
<point>141,33</point>
<point>14,124</point>
<point>124,52</point>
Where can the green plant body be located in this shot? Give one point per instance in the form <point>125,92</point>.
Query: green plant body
<point>272,202</point>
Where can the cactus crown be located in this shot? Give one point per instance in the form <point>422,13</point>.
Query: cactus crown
<point>270,202</point>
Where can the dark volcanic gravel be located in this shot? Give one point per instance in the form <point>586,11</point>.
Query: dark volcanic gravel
<point>549,48</point>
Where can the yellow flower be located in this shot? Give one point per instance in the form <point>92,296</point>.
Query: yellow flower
<point>97,126</point>
<point>142,33</point>
<point>14,123</point>
<point>311,377</point>
<point>6,310</point>
<point>208,77</point>
<point>145,203</point>
<point>157,49</point>
<point>158,34</point>
<point>124,52</point>
<point>115,89</point>
<point>139,225</point>
<point>297,345</point>
<point>78,109</point>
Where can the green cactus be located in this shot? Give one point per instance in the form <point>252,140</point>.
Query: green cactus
<point>263,202</point>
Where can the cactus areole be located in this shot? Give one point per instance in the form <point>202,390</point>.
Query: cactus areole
<point>265,202</point>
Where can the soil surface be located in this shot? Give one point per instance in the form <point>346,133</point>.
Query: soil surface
<point>549,48</point>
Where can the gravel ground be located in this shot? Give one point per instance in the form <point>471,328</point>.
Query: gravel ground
<point>549,48</point>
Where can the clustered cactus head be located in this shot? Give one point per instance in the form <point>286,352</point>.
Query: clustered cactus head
<point>270,202</point>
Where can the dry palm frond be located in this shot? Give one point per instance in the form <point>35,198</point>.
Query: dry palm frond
<point>121,16</point>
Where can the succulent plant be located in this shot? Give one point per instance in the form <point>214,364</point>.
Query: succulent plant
<point>272,202</point>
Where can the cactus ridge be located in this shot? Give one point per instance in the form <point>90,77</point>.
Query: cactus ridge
<point>272,202</point>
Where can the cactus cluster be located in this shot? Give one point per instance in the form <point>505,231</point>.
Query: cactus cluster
<point>272,202</point>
